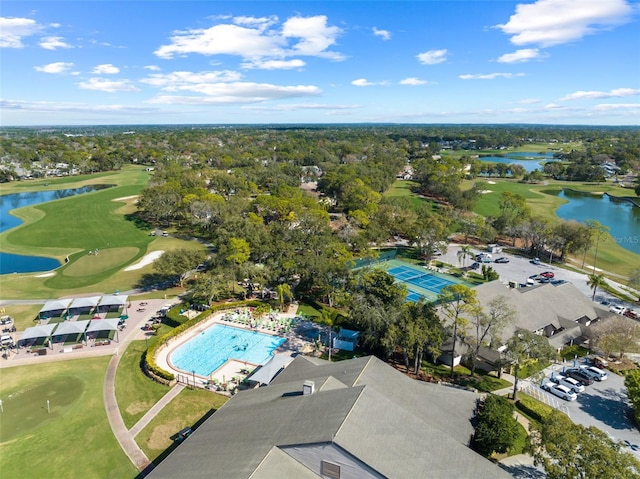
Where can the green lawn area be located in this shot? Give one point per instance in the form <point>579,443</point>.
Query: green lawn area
<point>462,376</point>
<point>74,439</point>
<point>189,408</point>
<point>135,392</point>
<point>23,314</point>
<point>74,226</point>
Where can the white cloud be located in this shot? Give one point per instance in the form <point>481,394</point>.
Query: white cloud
<point>109,86</point>
<point>384,34</point>
<point>255,39</point>
<point>596,95</point>
<point>432,57</point>
<point>301,106</point>
<point>520,56</point>
<point>274,64</point>
<point>46,106</point>
<point>153,68</point>
<point>51,43</point>
<point>236,93</point>
<point>413,81</point>
<point>177,80</point>
<point>314,34</point>
<point>365,82</point>
<point>13,30</point>
<point>617,106</point>
<point>554,22</point>
<point>529,101</point>
<point>489,76</point>
<point>105,69</point>
<point>55,68</point>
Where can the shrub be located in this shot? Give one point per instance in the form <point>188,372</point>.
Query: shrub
<point>497,429</point>
<point>533,408</point>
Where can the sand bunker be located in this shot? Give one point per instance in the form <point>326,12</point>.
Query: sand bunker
<point>491,182</point>
<point>147,260</point>
<point>45,275</point>
<point>484,192</point>
<point>125,198</point>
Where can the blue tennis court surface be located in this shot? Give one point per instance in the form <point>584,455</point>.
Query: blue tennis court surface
<point>420,282</point>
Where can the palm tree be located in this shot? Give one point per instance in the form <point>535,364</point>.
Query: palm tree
<point>596,281</point>
<point>284,294</point>
<point>463,254</point>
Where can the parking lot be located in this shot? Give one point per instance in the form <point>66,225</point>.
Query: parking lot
<point>603,405</point>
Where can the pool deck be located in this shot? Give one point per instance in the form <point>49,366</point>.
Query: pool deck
<point>294,343</point>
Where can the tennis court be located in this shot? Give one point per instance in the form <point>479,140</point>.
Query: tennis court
<point>421,282</point>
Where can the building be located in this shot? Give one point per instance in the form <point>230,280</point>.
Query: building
<point>358,418</point>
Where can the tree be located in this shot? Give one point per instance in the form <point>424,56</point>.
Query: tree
<point>632,382</point>
<point>455,301</point>
<point>488,273</point>
<point>596,281</point>
<point>598,229</point>
<point>463,254</point>
<point>526,346</point>
<point>489,324</point>
<point>616,335</point>
<point>634,280</point>
<point>572,451</point>
<point>497,429</point>
<point>179,263</point>
<point>284,294</point>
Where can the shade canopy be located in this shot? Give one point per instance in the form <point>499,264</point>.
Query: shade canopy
<point>89,302</point>
<point>56,305</point>
<point>71,327</point>
<point>269,370</point>
<point>35,332</point>
<point>113,300</point>
<point>110,324</point>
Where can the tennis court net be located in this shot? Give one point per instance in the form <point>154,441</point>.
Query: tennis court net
<point>416,278</point>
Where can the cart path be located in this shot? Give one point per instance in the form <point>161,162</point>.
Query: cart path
<point>157,407</point>
<point>125,439</point>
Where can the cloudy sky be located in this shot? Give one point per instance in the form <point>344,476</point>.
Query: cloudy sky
<point>431,61</point>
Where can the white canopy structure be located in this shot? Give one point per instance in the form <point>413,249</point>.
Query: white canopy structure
<point>55,307</point>
<point>84,304</point>
<point>36,332</point>
<point>270,369</point>
<point>109,324</point>
<point>112,302</point>
<point>71,327</point>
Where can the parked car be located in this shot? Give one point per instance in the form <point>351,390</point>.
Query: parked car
<point>559,390</point>
<point>630,313</point>
<point>483,256</point>
<point>596,373</point>
<point>579,375</point>
<point>547,274</point>
<point>534,261</point>
<point>502,260</point>
<point>558,282</point>
<point>475,265</point>
<point>536,277</point>
<point>570,383</point>
<point>617,309</point>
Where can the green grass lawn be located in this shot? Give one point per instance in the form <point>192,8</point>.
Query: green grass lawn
<point>74,439</point>
<point>188,409</point>
<point>135,392</point>
<point>23,314</point>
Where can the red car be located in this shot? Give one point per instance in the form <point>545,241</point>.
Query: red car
<point>547,274</point>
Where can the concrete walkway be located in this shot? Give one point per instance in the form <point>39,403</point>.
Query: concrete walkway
<point>157,407</point>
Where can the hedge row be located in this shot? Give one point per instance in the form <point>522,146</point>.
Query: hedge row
<point>162,340</point>
<point>533,408</point>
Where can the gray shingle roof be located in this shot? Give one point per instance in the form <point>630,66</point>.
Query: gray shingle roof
<point>396,426</point>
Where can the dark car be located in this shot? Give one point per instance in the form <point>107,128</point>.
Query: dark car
<point>557,282</point>
<point>579,375</point>
<point>475,265</point>
<point>502,260</point>
<point>534,261</point>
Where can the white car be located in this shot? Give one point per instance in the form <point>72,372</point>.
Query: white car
<point>617,309</point>
<point>570,383</point>
<point>559,390</point>
<point>597,373</point>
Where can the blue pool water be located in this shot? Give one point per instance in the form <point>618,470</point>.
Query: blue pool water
<point>210,349</point>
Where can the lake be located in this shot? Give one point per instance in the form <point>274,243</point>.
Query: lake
<point>528,160</point>
<point>622,217</point>
<point>13,263</point>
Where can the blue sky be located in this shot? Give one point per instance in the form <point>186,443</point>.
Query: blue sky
<point>181,62</point>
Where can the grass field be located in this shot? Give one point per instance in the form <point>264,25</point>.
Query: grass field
<point>189,408</point>
<point>528,148</point>
<point>74,439</point>
<point>135,392</point>
<point>72,227</point>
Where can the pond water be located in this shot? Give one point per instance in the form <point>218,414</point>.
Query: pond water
<point>622,217</point>
<point>13,263</point>
<point>528,160</point>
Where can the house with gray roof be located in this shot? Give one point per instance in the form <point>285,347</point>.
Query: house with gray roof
<point>358,418</point>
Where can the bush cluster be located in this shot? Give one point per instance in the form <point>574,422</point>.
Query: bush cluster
<point>534,409</point>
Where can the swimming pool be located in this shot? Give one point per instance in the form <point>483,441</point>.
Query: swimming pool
<point>213,347</point>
